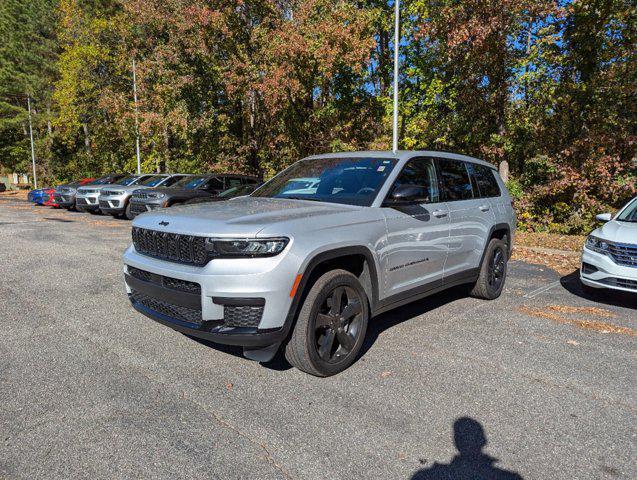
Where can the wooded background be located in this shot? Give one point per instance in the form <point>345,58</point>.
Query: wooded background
<point>253,85</point>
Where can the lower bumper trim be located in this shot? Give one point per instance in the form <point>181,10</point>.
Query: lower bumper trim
<point>238,336</point>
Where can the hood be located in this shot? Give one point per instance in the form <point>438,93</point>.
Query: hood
<point>92,188</point>
<point>124,188</point>
<point>247,216</point>
<point>618,232</point>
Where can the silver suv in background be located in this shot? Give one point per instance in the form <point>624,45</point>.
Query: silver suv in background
<point>87,197</point>
<point>115,199</point>
<point>65,195</point>
<point>306,269</point>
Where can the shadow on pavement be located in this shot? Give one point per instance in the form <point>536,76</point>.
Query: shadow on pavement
<point>470,463</point>
<point>572,284</point>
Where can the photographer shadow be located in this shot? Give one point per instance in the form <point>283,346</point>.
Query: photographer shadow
<point>471,463</point>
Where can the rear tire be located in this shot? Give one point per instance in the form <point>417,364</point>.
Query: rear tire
<point>492,271</point>
<point>331,325</point>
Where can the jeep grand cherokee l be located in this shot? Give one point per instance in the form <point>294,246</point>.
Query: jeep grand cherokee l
<point>307,270</point>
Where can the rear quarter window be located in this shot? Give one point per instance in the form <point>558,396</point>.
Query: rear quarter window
<point>486,181</point>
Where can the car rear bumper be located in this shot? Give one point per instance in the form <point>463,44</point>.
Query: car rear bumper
<point>600,271</point>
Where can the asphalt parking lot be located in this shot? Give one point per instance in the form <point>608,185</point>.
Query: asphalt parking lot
<point>91,389</point>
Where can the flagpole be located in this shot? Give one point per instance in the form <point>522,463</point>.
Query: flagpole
<point>396,47</point>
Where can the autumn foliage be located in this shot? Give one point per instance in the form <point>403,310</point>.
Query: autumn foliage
<point>252,85</point>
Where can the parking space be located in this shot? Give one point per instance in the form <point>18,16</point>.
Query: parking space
<point>90,388</point>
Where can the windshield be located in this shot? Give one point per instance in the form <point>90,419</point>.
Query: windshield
<point>152,181</point>
<point>350,181</point>
<point>630,213</point>
<point>191,183</point>
<point>101,181</point>
<point>130,180</point>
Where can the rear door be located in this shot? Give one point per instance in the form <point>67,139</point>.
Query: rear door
<point>417,234</point>
<point>470,219</point>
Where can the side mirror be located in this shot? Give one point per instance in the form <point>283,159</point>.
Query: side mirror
<point>604,217</point>
<point>408,194</point>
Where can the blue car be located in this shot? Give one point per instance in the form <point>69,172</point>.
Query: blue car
<point>38,196</point>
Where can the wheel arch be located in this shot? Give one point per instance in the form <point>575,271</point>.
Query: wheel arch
<point>357,259</point>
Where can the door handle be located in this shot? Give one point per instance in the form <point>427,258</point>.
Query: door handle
<point>440,213</point>
<point>484,208</point>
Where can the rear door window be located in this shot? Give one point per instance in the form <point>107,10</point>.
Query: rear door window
<point>455,182</point>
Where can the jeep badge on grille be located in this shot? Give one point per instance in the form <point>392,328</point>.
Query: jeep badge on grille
<point>163,223</point>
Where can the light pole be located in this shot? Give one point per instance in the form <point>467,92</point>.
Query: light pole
<point>139,162</point>
<point>35,177</point>
<point>396,46</point>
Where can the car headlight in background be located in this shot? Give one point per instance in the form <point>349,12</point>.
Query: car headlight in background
<point>156,195</point>
<point>596,244</point>
<point>235,247</point>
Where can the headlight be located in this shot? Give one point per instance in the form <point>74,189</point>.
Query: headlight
<point>596,244</point>
<point>156,195</point>
<point>235,247</point>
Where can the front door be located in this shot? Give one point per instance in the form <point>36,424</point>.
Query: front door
<point>417,233</point>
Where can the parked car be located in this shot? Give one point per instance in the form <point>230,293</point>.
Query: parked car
<point>87,197</point>
<point>233,192</point>
<point>49,199</point>
<point>308,271</point>
<point>65,194</point>
<point>37,196</point>
<point>609,256</point>
<point>197,186</point>
<point>115,199</point>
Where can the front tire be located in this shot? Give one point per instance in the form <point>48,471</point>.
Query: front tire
<point>493,271</point>
<point>127,213</point>
<point>331,325</point>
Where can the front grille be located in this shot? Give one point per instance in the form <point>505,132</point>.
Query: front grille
<point>87,191</point>
<point>623,254</point>
<point>242,316</point>
<point>181,285</point>
<point>104,204</point>
<point>140,274</point>
<point>110,193</point>
<point>140,196</point>
<point>170,246</point>
<point>178,312</point>
<point>620,282</point>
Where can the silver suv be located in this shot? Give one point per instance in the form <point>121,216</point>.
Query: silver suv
<point>307,268</point>
<point>115,199</point>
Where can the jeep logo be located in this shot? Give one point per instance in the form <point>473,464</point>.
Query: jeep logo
<point>163,223</point>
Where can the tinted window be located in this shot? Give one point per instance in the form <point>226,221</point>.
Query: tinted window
<point>172,180</point>
<point>629,214</point>
<point>130,180</point>
<point>485,178</point>
<point>151,181</point>
<point>191,182</point>
<point>455,181</point>
<point>350,181</point>
<point>214,184</point>
<point>420,172</point>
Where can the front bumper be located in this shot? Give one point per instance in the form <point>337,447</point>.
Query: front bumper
<point>600,271</point>
<point>138,208</point>
<point>65,200</point>
<point>112,204</point>
<point>87,202</point>
<point>243,302</point>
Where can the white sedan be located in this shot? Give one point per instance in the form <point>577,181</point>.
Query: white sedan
<point>609,259</point>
